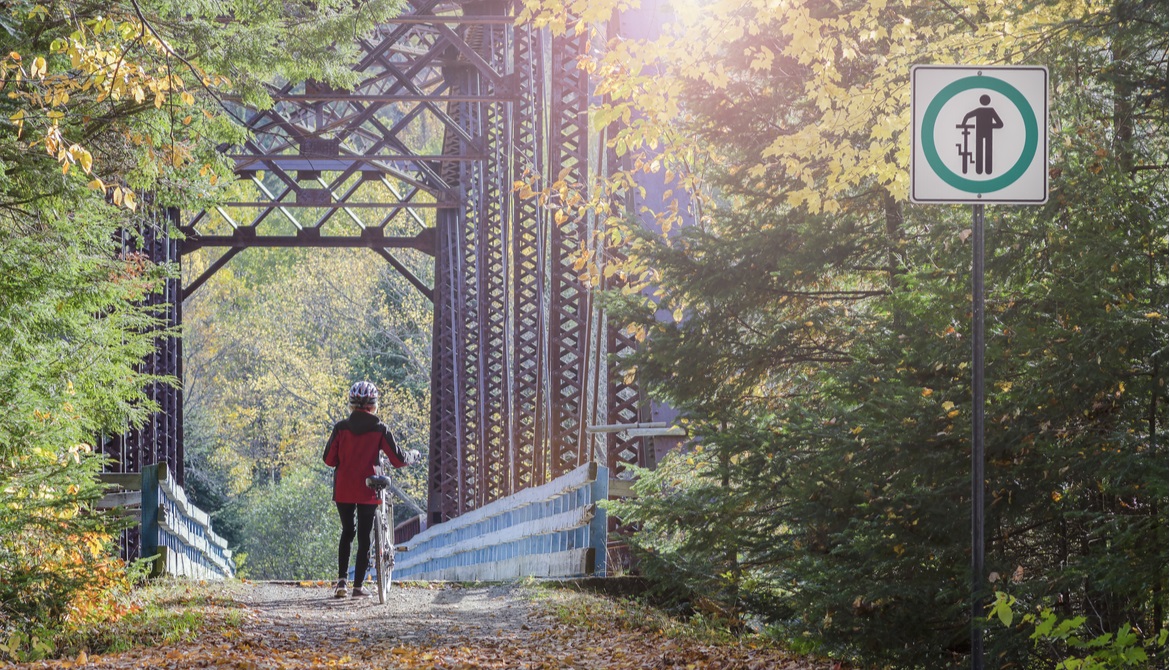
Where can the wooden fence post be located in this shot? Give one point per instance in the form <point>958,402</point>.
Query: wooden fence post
<point>599,527</point>
<point>148,531</point>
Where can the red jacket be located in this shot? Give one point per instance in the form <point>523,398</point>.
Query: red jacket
<point>353,450</point>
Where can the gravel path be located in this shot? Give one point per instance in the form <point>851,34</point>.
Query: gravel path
<point>436,615</point>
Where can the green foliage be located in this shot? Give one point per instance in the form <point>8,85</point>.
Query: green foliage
<point>291,527</point>
<point>821,354</point>
<point>71,332</point>
<point>272,343</point>
<point>1069,639</point>
<point>696,521</point>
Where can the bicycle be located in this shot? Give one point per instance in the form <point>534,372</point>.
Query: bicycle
<point>383,547</point>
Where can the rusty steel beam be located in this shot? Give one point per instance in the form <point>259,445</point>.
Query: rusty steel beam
<point>493,481</point>
<point>516,376</point>
<point>471,403</point>
<point>446,431</point>
<point>568,160</point>
<point>373,238</point>
<point>528,294</point>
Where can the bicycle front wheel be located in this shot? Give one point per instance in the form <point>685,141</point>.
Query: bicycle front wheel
<point>382,547</point>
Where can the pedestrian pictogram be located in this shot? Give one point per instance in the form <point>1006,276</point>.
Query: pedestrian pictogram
<point>979,135</point>
<point>984,121</point>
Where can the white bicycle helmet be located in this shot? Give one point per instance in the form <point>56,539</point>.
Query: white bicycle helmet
<point>363,394</point>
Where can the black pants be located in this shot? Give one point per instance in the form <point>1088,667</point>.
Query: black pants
<point>365,523</point>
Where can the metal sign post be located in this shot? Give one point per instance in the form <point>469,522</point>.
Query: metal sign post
<point>976,435</point>
<point>979,136</point>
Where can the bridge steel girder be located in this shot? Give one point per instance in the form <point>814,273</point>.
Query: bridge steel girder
<point>473,400</point>
<point>567,328</point>
<point>447,429</point>
<point>522,314</point>
<point>332,168</point>
<point>493,481</point>
<point>528,428</point>
<point>478,303</point>
<point>160,439</point>
<point>519,352</point>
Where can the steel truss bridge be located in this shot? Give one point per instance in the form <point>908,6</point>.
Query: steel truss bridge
<point>457,101</point>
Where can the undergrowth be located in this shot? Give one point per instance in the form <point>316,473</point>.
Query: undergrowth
<point>161,611</point>
<point>590,611</point>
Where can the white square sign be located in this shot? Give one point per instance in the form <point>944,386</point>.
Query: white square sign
<point>979,134</point>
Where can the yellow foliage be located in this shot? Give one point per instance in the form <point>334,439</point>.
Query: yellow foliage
<point>859,140</point>
<point>102,65</point>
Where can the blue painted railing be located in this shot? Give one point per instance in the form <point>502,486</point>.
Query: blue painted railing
<point>178,532</point>
<point>553,530</point>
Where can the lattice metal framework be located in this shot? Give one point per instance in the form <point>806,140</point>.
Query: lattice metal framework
<point>456,104</point>
<point>527,429</point>
<point>569,156</point>
<point>624,404</point>
<point>160,440</point>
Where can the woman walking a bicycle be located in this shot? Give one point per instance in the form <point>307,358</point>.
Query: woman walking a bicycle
<point>352,451</point>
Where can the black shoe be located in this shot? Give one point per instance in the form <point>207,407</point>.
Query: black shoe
<point>359,592</point>
<point>339,589</point>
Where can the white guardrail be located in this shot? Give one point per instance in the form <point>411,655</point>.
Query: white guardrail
<point>553,530</point>
<point>172,529</point>
<point>187,545</point>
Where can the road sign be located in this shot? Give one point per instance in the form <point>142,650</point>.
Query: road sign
<point>979,135</point>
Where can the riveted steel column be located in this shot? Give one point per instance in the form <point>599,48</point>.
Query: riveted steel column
<point>491,42</point>
<point>467,273</point>
<point>568,161</point>
<point>446,431</point>
<point>529,236</point>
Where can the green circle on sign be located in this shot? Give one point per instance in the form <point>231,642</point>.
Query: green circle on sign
<point>1031,134</point>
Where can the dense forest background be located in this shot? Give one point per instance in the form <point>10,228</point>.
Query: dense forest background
<point>273,343</point>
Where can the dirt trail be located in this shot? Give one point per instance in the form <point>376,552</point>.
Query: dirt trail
<point>289,626</point>
<point>438,615</point>
<point>437,626</point>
